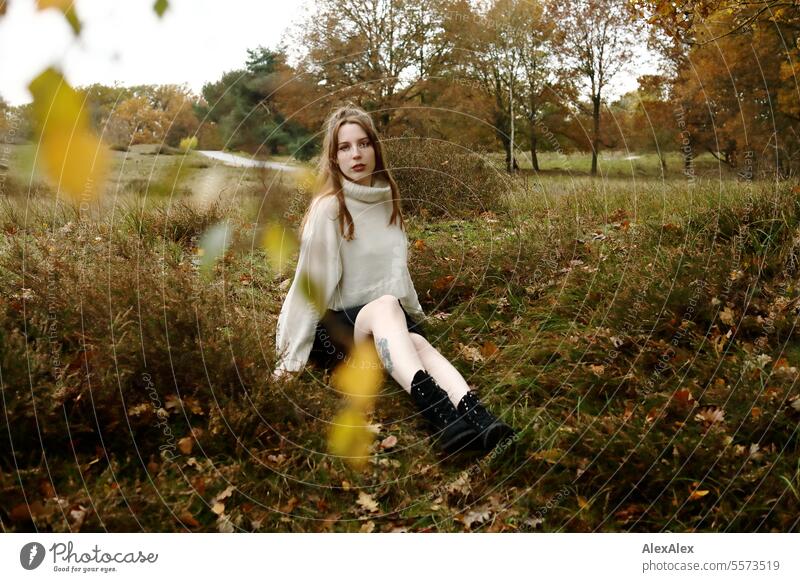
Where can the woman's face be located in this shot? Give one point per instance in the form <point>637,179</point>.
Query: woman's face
<point>355,154</point>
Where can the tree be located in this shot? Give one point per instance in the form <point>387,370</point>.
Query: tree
<point>504,51</point>
<point>379,53</point>
<point>595,37</point>
<point>536,58</point>
<point>735,77</point>
<point>246,106</point>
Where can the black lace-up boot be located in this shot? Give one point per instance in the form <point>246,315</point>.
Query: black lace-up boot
<point>491,430</point>
<point>453,432</point>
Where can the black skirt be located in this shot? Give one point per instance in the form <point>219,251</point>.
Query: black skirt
<point>333,338</point>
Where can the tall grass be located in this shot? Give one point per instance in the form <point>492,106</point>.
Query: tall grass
<point>642,336</point>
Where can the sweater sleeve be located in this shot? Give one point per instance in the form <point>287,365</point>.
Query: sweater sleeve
<point>320,258</point>
<point>411,301</point>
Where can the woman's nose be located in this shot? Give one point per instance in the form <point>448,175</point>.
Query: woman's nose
<point>357,154</point>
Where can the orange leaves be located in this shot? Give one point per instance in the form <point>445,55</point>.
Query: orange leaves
<point>488,349</point>
<point>187,519</point>
<point>696,493</point>
<point>70,153</point>
<point>683,398</point>
<point>443,283</point>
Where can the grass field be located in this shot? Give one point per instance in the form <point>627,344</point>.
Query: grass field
<point>640,333</point>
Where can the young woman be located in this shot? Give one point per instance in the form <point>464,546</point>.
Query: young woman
<point>354,251</point>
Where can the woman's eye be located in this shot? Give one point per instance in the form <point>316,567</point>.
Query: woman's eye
<point>364,145</point>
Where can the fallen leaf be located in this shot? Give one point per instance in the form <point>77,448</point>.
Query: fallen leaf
<point>683,397</point>
<point>290,505</point>
<point>710,415</point>
<point>366,501</point>
<point>24,512</point>
<point>443,282</point>
<point>224,524</point>
<point>188,519</point>
<point>78,516</point>
<point>696,493</point>
<point>185,445</point>
<point>479,515</point>
<point>470,353</point>
<point>227,492</point>
<point>727,315</point>
<point>489,349</point>
<point>389,442</point>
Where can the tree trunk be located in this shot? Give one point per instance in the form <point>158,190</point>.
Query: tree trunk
<point>595,132</point>
<point>534,157</point>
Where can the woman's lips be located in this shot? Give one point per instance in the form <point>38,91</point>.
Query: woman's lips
<point>359,167</point>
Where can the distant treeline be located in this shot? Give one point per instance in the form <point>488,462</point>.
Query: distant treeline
<point>518,75</point>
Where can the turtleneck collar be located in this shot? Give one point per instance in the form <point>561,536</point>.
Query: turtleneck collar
<point>380,191</point>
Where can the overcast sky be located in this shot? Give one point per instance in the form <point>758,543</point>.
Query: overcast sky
<point>124,41</point>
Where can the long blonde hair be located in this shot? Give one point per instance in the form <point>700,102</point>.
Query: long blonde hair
<point>330,176</point>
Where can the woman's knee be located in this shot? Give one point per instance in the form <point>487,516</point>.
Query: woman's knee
<point>385,306</point>
<point>420,343</point>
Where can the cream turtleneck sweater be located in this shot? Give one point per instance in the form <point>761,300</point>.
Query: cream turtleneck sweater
<point>349,273</point>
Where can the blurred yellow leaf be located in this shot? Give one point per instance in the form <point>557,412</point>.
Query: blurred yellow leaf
<point>361,375</point>
<point>65,6</point>
<point>349,437</point>
<point>304,179</point>
<point>71,154</point>
<point>280,245</point>
<point>160,7</point>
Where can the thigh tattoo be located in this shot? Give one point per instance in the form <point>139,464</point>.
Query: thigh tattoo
<point>383,351</point>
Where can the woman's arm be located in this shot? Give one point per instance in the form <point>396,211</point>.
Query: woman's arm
<point>320,260</point>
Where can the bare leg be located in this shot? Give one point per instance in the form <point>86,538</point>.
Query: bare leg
<point>384,319</point>
<point>441,369</point>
